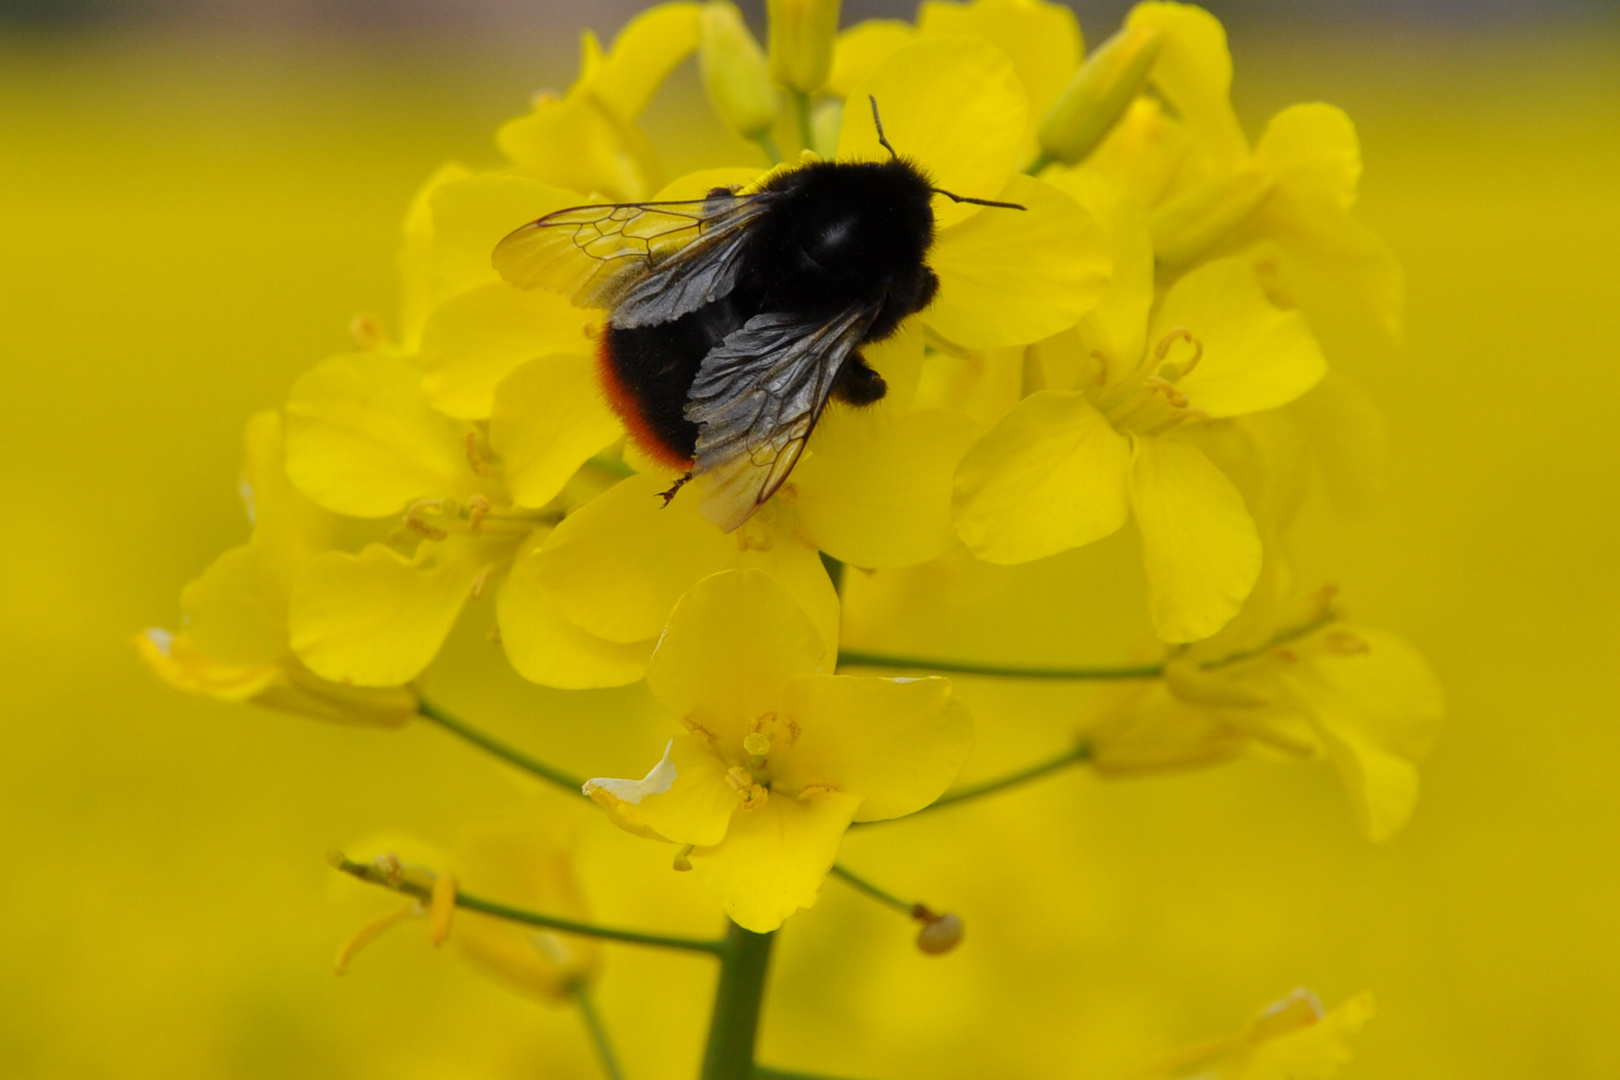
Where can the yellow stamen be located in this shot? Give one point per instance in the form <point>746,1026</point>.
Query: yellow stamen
<point>1178,371</point>
<point>475,458</point>
<point>367,934</point>
<point>477,507</point>
<point>441,909</point>
<point>1344,643</point>
<point>1177,399</point>
<point>417,522</point>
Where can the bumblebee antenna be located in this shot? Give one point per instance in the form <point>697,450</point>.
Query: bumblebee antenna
<point>977,202</point>
<point>877,122</point>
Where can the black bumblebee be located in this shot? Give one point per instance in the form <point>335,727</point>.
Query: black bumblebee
<point>735,318</point>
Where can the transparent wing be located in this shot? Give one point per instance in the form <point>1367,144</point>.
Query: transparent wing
<point>646,262</point>
<point>757,397</point>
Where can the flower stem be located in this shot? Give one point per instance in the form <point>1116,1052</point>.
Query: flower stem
<point>773,153</point>
<point>1073,756</point>
<point>801,110</point>
<point>430,711</point>
<point>734,1027</point>
<point>876,893</point>
<point>369,872</point>
<point>599,1035</point>
<point>852,658</point>
<point>1042,160</point>
<point>765,1072</point>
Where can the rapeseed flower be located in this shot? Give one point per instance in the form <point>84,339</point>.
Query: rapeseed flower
<point>1294,1038</point>
<point>233,642</point>
<point>775,756</point>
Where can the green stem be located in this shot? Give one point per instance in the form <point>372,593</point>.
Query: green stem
<point>852,658</point>
<point>1074,756</point>
<point>734,1026</point>
<point>1042,160</point>
<point>801,110</point>
<point>373,874</point>
<point>835,571</point>
<point>765,1072</point>
<point>767,143</point>
<point>599,1035</point>
<point>429,711</point>
<point>876,893</point>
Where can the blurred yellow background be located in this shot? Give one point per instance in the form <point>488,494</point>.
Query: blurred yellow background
<point>188,222</point>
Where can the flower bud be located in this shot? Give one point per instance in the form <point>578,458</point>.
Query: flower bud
<point>940,933</point>
<point>735,72</point>
<point>1099,93</point>
<point>801,42</point>
<point>1195,222</point>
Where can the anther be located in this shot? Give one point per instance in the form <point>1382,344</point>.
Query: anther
<point>391,868</point>
<point>1344,643</point>
<point>475,456</point>
<point>482,580</point>
<point>1177,399</point>
<point>416,522</point>
<point>1173,372</point>
<point>478,507</point>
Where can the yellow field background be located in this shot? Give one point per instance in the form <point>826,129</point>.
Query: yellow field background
<point>188,224</point>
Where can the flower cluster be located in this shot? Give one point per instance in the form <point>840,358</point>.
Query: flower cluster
<point>1132,341</point>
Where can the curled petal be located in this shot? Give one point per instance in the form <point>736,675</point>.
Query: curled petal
<point>1199,545</point>
<point>1050,476</point>
<point>685,799</point>
<point>1010,277</point>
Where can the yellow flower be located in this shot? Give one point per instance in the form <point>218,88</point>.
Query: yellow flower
<point>1067,465</point>
<point>1291,1039</point>
<point>363,441</point>
<point>586,140</point>
<point>234,645</point>
<point>735,72</point>
<point>1285,679</point>
<point>520,862</point>
<point>1182,151</point>
<point>801,42</point>
<point>775,758</point>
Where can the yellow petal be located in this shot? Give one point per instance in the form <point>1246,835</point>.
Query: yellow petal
<point>286,524</point>
<point>236,611</point>
<point>1379,710</point>
<point>1255,355</point>
<point>732,644</point>
<point>1316,1051</point>
<point>1050,476</point>
<point>548,419</point>
<point>176,660</point>
<point>1194,73</point>
<point>617,565</point>
<point>897,743</point>
<point>1009,277</point>
<point>955,107</point>
<point>774,858</point>
<point>420,283</point>
<point>1336,253</point>
<point>861,48</point>
<point>1042,40</point>
<point>1117,326</point>
<point>477,338</point>
<point>1347,431</point>
<point>378,618</point>
<point>542,644</point>
<point>1199,545</point>
<point>643,54</point>
<point>361,440</point>
<point>472,214</point>
<point>1313,154</point>
<point>876,491</point>
<point>685,799</point>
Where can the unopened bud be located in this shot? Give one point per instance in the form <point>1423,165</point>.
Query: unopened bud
<point>1099,93</point>
<point>801,42</point>
<point>735,72</point>
<point>940,933</point>
<point>1196,221</point>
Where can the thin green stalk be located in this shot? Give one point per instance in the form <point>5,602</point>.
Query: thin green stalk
<point>801,110</point>
<point>430,711</point>
<point>765,1072</point>
<point>876,893</point>
<point>375,875</point>
<point>1074,756</point>
<point>738,999</point>
<point>767,143</point>
<point>1042,160</point>
<point>599,1035</point>
<point>853,658</point>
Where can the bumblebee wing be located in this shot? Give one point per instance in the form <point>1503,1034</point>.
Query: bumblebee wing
<point>757,397</point>
<point>648,263</point>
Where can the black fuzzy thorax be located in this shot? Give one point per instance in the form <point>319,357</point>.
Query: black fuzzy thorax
<point>837,236</point>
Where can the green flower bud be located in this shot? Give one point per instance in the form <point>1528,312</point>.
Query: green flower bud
<point>735,72</point>
<point>1099,94</point>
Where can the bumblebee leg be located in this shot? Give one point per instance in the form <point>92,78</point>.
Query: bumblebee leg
<point>858,384</point>
<point>667,496</point>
